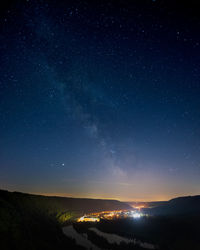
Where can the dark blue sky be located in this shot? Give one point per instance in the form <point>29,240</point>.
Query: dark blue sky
<point>100,98</point>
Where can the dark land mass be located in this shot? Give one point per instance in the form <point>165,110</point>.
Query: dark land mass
<point>34,222</point>
<point>164,232</point>
<point>188,205</point>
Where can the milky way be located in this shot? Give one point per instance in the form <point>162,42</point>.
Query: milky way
<point>100,99</point>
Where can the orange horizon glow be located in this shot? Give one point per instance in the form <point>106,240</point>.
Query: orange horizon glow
<point>88,196</point>
<point>102,198</point>
<point>65,195</point>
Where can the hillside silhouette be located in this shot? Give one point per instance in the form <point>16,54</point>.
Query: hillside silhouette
<point>188,205</point>
<point>34,221</point>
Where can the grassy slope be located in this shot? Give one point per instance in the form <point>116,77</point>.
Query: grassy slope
<point>30,224</point>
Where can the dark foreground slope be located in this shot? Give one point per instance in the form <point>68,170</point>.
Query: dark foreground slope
<point>189,205</point>
<point>174,224</point>
<point>34,221</point>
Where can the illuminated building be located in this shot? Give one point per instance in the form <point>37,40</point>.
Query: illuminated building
<point>88,219</point>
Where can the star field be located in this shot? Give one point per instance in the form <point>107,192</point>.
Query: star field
<point>100,99</point>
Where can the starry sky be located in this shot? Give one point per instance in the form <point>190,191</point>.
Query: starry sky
<point>100,98</point>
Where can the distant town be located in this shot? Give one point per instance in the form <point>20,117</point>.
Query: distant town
<point>111,215</point>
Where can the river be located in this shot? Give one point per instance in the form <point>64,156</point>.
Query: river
<point>81,239</point>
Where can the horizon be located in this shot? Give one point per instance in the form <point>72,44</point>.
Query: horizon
<point>63,195</point>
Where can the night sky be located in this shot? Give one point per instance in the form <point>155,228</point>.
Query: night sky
<point>100,98</point>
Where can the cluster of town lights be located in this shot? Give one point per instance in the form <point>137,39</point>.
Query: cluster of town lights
<point>136,215</point>
<point>109,215</point>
